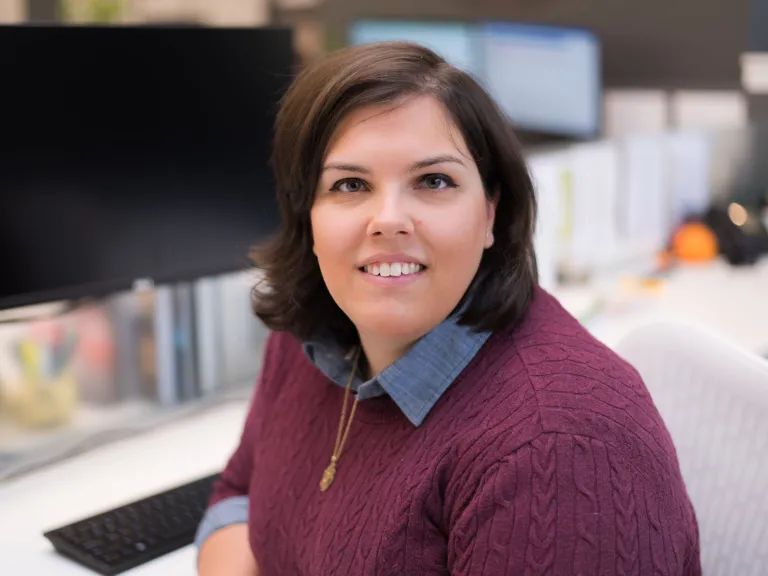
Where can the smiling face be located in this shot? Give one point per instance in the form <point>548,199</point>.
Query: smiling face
<point>400,219</point>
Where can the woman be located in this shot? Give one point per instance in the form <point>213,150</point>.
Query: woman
<point>424,407</point>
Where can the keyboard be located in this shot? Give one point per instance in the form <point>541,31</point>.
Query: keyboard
<point>130,535</point>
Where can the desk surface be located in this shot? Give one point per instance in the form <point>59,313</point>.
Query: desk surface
<point>733,302</point>
<point>730,301</point>
<point>107,477</point>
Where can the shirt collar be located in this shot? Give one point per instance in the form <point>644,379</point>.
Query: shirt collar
<point>416,381</point>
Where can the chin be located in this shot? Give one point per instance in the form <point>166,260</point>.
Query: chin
<point>400,327</point>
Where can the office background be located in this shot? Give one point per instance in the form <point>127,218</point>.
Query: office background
<point>681,112</point>
<point>674,100</point>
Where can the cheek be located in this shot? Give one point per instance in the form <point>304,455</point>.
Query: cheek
<point>322,233</point>
<point>460,233</point>
<point>334,238</point>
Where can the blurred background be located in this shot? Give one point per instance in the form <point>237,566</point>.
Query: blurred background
<point>138,178</point>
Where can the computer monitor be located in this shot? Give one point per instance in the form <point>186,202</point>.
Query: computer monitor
<point>546,79</point>
<point>133,153</point>
<point>452,40</point>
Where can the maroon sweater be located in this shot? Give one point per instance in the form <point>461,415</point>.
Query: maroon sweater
<point>545,456</point>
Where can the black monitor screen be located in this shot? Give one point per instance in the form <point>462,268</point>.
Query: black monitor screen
<point>134,153</point>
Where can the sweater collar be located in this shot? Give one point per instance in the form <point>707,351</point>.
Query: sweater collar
<point>417,380</point>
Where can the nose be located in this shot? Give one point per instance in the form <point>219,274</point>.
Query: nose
<point>390,215</point>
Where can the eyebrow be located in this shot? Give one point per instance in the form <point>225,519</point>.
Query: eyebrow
<point>420,165</point>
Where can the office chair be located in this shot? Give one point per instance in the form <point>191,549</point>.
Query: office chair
<point>713,397</point>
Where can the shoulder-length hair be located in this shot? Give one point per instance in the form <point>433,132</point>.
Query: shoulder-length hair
<point>292,296</point>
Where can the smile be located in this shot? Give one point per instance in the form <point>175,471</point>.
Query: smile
<point>390,269</point>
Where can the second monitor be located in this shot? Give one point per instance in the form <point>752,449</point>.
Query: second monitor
<point>547,79</point>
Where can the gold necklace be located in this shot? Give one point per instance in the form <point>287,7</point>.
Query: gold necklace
<point>330,472</point>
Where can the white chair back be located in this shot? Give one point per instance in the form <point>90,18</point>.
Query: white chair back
<point>713,397</point>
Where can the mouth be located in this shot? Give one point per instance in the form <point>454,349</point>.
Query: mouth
<point>392,269</point>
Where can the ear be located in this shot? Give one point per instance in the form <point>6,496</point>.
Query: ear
<point>490,217</point>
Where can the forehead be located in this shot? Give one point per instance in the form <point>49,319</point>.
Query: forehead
<point>414,125</point>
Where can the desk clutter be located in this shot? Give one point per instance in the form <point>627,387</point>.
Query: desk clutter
<point>46,394</point>
<point>82,373</point>
<point>615,205</point>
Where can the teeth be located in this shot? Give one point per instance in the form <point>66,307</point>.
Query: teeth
<point>386,269</point>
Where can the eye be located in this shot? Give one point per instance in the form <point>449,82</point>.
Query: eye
<point>349,185</point>
<point>437,182</point>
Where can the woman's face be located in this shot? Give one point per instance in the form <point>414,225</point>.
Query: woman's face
<point>400,219</point>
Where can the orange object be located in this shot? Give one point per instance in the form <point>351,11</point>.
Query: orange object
<point>694,242</point>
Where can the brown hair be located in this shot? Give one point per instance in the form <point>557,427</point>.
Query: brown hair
<point>293,296</point>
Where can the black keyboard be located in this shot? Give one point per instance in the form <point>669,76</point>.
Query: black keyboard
<point>125,537</point>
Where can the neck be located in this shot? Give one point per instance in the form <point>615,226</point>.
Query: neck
<point>380,353</point>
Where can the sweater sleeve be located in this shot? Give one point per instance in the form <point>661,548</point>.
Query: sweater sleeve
<point>228,503</point>
<point>566,504</point>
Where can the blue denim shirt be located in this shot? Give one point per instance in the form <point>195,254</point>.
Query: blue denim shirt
<point>417,380</point>
<point>415,383</point>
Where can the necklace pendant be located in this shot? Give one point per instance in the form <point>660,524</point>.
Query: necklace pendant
<point>328,476</point>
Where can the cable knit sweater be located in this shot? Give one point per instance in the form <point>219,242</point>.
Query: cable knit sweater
<point>545,456</point>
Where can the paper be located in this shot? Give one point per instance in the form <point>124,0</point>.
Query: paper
<point>709,109</point>
<point>547,174</point>
<point>689,179</point>
<point>630,112</point>
<point>644,189</point>
<point>12,11</point>
<point>594,181</point>
<point>754,72</point>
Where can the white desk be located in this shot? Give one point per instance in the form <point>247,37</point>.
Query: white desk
<point>733,302</point>
<point>104,478</point>
<point>730,301</point>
